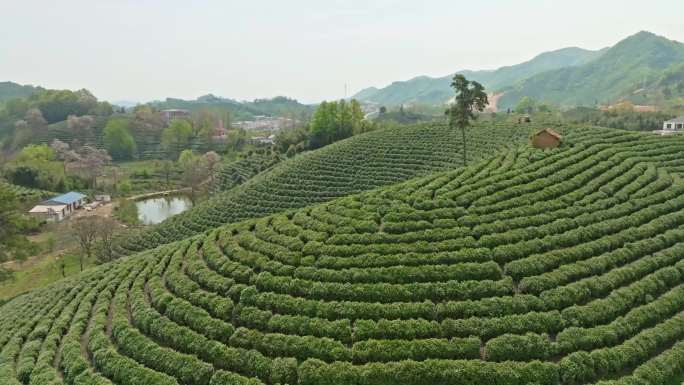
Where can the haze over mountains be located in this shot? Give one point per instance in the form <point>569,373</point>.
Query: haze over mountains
<point>566,77</point>
<point>644,68</point>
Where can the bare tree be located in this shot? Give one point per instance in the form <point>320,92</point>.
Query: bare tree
<point>63,152</point>
<point>35,119</point>
<point>104,251</point>
<point>85,229</point>
<point>90,163</point>
<point>166,168</point>
<point>194,171</point>
<point>80,124</point>
<point>59,147</point>
<point>212,161</point>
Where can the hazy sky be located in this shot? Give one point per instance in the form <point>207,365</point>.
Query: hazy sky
<point>308,49</point>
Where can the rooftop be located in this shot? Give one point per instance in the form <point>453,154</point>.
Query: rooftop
<point>66,199</point>
<point>550,132</point>
<point>46,209</point>
<point>679,119</point>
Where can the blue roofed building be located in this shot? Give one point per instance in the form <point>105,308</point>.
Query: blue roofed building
<point>59,207</point>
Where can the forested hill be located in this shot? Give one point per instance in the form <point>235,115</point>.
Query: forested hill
<point>538,267</point>
<point>429,90</point>
<point>11,90</point>
<point>630,69</point>
<point>240,110</point>
<point>643,68</point>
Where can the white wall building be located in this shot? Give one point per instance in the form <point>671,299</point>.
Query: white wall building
<point>676,124</point>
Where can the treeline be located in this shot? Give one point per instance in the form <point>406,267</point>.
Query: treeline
<point>624,119</point>
<point>22,120</point>
<point>241,110</point>
<point>332,121</point>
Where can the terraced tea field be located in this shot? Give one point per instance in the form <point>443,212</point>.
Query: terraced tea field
<point>237,172</point>
<point>564,267</point>
<point>354,165</point>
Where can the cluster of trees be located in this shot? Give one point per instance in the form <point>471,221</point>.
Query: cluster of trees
<point>528,105</point>
<point>24,118</point>
<point>13,226</point>
<point>58,167</point>
<point>622,118</point>
<point>197,168</point>
<point>118,140</point>
<point>94,235</point>
<point>332,121</point>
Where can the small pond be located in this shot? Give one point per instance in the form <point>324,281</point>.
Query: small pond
<point>154,210</point>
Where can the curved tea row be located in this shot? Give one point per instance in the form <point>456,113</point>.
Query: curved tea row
<point>235,173</point>
<point>347,167</point>
<point>564,267</point>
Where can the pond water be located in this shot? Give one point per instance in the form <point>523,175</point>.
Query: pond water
<point>154,210</point>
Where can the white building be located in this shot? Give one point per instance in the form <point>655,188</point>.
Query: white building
<point>53,213</point>
<point>676,124</point>
<point>262,140</point>
<point>57,208</point>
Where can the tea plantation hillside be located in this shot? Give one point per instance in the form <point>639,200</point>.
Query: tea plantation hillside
<point>548,268</point>
<point>354,165</point>
<point>237,172</point>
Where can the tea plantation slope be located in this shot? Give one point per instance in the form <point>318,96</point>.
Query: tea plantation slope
<point>235,173</point>
<point>564,267</point>
<point>357,164</point>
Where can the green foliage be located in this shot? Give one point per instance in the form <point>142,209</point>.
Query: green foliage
<point>118,140</point>
<point>277,106</point>
<point>361,163</point>
<point>470,98</point>
<point>57,105</point>
<point>36,167</point>
<point>625,119</point>
<point>436,91</point>
<point>176,137</point>
<point>526,267</point>
<point>636,62</point>
<point>334,121</point>
<point>126,211</point>
<point>291,140</point>
<point>13,241</point>
<point>14,91</point>
<point>526,105</point>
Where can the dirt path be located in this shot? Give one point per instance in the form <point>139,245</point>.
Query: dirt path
<point>157,193</point>
<point>104,210</point>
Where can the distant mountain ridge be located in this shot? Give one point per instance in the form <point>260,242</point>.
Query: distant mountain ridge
<point>635,65</point>
<point>429,90</point>
<point>566,77</point>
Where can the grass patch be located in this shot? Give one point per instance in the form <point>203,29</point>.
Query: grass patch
<point>40,273</point>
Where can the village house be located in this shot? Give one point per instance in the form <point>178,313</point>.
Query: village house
<point>171,114</point>
<point>60,207</point>
<point>265,123</point>
<point>262,140</point>
<point>220,132</point>
<point>546,138</point>
<point>676,124</point>
<point>49,213</point>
